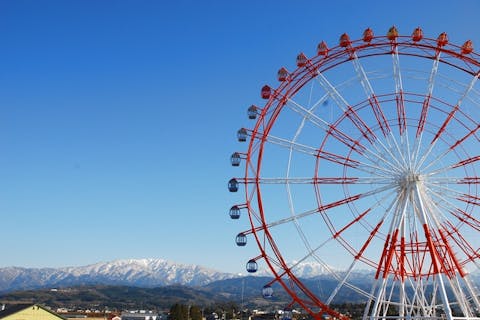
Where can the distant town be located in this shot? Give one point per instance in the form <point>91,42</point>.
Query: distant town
<point>176,312</point>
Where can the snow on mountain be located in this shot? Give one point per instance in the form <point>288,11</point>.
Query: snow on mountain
<point>311,269</point>
<point>136,272</point>
<point>305,270</point>
<point>133,272</point>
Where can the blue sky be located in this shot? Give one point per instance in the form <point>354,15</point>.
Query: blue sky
<point>118,118</point>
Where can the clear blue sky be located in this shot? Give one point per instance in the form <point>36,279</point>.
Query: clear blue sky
<point>118,118</point>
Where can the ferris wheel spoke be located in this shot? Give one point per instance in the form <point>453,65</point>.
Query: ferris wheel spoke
<point>449,259</point>
<point>461,163</point>
<point>324,207</point>
<point>454,180</point>
<point>455,108</point>
<point>472,291</point>
<point>292,145</point>
<point>394,160</point>
<point>294,217</point>
<point>442,202</point>
<point>447,120</point>
<point>426,105</point>
<point>468,135</point>
<point>361,126</point>
<point>456,236</point>
<point>367,167</point>
<point>426,102</point>
<point>436,211</point>
<point>470,199</point>
<point>400,103</point>
<point>325,181</point>
<point>451,148</point>
<point>338,233</point>
<point>448,197</point>
<point>343,282</point>
<point>437,263</point>
<point>372,98</point>
<point>401,115</point>
<point>467,219</point>
<point>393,239</point>
<point>298,147</point>
<point>445,196</point>
<point>469,180</point>
<point>387,168</point>
<point>339,276</point>
<point>372,153</point>
<point>307,113</point>
<point>340,136</point>
<point>351,114</point>
<point>455,211</point>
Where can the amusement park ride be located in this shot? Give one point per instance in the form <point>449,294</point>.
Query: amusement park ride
<point>364,160</point>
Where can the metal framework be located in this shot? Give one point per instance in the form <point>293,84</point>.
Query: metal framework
<point>362,162</point>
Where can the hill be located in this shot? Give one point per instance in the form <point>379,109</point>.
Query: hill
<point>112,297</point>
<point>243,292</point>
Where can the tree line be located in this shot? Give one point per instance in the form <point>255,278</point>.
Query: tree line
<point>180,311</point>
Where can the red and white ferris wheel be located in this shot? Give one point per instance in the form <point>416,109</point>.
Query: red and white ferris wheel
<point>363,161</point>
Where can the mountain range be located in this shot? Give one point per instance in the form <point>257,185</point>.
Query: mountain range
<point>157,282</point>
<point>151,283</point>
<point>146,273</point>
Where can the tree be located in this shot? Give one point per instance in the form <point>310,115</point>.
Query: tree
<point>229,308</point>
<point>178,312</point>
<point>195,313</point>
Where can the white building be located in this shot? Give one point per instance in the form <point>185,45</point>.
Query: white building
<point>139,315</point>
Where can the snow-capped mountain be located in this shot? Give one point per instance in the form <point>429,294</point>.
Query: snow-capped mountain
<point>311,269</point>
<point>304,270</point>
<point>132,272</point>
<point>135,272</point>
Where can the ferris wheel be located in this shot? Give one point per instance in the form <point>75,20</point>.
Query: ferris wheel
<point>362,162</point>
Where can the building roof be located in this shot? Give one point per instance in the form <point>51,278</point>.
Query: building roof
<point>143,314</point>
<point>12,309</point>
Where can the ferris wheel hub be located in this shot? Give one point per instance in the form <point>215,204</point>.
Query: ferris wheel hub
<point>410,179</point>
